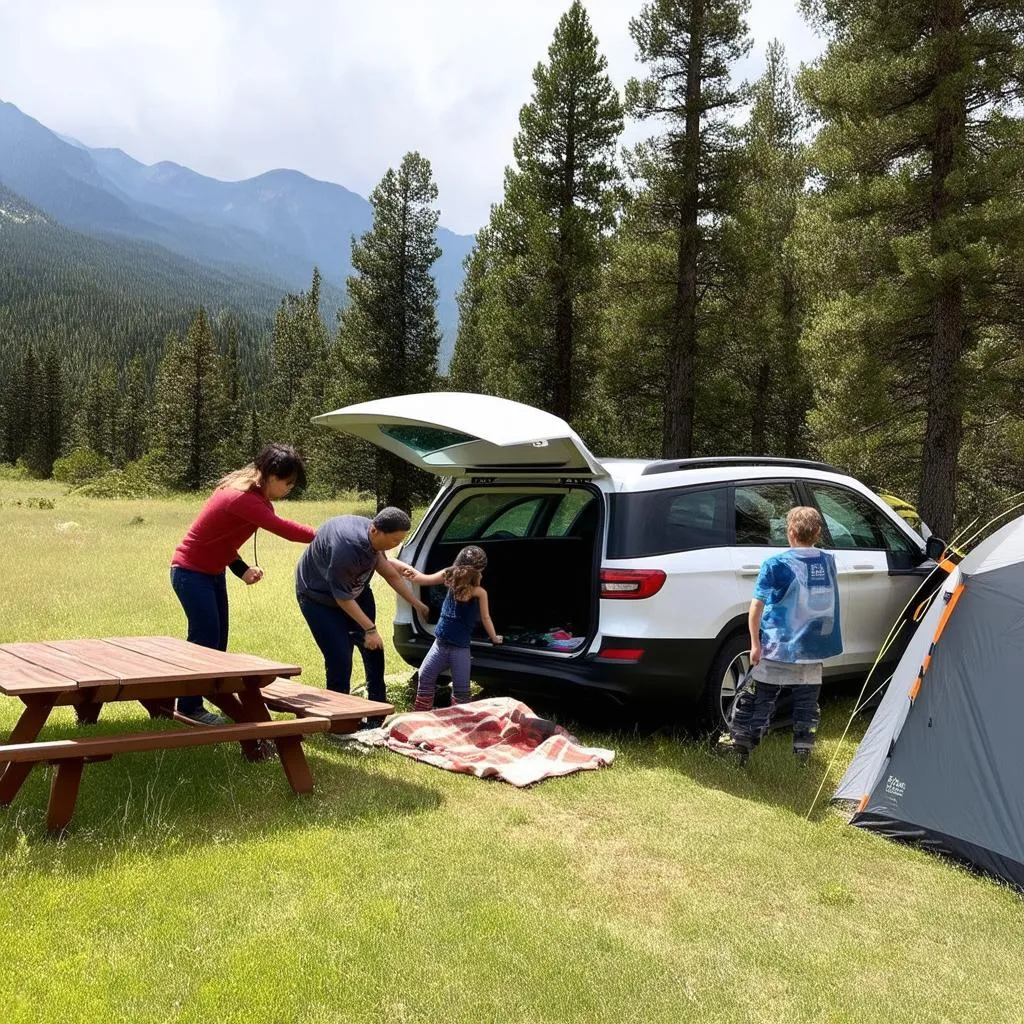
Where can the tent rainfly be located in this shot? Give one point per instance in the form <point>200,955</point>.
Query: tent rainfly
<point>942,762</point>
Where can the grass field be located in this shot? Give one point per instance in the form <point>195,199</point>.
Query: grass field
<point>671,887</point>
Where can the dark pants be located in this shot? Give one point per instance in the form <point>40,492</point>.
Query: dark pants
<point>754,709</point>
<point>336,634</point>
<point>440,658</point>
<point>205,600</point>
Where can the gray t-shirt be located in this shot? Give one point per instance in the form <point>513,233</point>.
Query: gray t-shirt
<point>338,563</point>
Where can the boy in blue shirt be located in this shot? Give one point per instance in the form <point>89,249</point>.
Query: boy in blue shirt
<point>794,627</point>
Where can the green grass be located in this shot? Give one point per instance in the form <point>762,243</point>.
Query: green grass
<point>671,887</point>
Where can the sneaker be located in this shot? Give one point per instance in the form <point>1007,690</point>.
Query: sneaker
<point>803,755</point>
<point>729,750</point>
<point>204,717</point>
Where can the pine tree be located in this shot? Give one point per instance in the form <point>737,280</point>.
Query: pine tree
<point>689,171</point>
<point>100,404</point>
<point>547,235</point>
<point>25,421</point>
<point>920,156</point>
<point>762,292</point>
<point>189,409</point>
<point>50,416</point>
<point>466,372</point>
<point>132,421</point>
<point>389,333</point>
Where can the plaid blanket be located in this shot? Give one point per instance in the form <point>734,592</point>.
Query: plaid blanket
<point>498,737</point>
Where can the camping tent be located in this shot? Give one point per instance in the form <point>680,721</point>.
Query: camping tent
<point>942,763</point>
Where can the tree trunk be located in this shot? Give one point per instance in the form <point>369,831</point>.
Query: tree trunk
<point>565,276</point>
<point>677,436</point>
<point>944,428</point>
<point>759,410</point>
<point>394,486</point>
<point>795,395</point>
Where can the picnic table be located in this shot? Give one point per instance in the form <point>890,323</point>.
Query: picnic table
<point>153,670</point>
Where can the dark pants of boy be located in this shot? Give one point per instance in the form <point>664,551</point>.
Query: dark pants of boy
<point>443,657</point>
<point>336,634</point>
<point>204,597</point>
<point>754,712</point>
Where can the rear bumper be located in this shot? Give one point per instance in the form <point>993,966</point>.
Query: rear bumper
<point>670,670</point>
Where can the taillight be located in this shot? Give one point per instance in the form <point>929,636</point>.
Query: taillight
<point>621,653</point>
<point>631,584</point>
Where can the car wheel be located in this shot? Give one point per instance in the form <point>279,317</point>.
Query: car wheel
<point>727,672</point>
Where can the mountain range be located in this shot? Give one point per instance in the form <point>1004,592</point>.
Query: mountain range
<point>274,228</point>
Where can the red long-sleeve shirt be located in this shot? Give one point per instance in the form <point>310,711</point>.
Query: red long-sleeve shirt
<point>227,520</point>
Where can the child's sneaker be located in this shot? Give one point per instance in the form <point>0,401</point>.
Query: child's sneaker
<point>802,755</point>
<point>728,749</point>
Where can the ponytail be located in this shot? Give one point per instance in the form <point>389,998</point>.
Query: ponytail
<point>243,479</point>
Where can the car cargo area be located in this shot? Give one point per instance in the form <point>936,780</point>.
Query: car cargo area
<point>542,563</point>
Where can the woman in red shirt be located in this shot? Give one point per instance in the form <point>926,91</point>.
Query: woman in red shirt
<point>239,506</point>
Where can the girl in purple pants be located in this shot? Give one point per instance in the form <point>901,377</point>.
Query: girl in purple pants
<point>465,605</point>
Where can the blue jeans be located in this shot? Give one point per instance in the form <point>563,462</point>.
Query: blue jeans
<point>336,634</point>
<point>205,600</point>
<point>441,657</point>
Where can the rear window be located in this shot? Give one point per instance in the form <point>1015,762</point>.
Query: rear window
<point>424,440</point>
<point>660,522</point>
<point>504,516</point>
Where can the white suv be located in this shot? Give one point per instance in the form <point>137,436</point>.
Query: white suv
<point>630,576</point>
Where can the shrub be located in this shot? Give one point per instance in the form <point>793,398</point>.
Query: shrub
<point>139,479</point>
<point>81,465</point>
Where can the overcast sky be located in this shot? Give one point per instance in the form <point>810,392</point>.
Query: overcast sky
<point>338,89</point>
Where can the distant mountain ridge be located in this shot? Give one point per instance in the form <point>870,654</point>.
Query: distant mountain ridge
<point>277,225</point>
<point>106,299</point>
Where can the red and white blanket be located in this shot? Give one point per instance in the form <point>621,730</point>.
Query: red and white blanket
<point>498,737</point>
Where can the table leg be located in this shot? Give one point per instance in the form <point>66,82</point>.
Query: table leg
<point>27,728</point>
<point>88,713</point>
<point>235,709</point>
<point>63,793</point>
<point>159,708</point>
<point>293,760</point>
<point>289,748</point>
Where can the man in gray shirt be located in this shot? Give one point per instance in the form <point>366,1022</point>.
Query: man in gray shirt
<point>332,584</point>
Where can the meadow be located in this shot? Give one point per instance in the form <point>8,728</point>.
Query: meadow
<point>194,887</point>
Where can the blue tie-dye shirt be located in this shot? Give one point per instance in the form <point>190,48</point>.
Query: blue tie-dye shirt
<point>800,623</point>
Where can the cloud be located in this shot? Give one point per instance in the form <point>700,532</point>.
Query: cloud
<point>335,88</point>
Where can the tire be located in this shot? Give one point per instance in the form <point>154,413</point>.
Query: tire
<point>729,666</point>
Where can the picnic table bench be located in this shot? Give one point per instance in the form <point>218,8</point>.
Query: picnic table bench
<point>86,674</point>
<point>344,711</point>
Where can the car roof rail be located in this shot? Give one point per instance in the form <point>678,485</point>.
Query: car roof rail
<point>672,465</point>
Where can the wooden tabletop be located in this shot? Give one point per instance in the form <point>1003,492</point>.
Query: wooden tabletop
<point>57,666</point>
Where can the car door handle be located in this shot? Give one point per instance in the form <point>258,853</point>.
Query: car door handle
<point>858,570</point>
<point>748,570</point>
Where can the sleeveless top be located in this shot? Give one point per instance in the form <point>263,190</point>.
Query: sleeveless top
<point>457,621</point>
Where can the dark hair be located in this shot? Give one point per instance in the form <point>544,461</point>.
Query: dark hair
<point>464,576</point>
<point>282,461</point>
<point>392,520</point>
<point>278,460</point>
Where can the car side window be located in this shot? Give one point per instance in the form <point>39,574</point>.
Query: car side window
<point>514,521</point>
<point>760,511</point>
<point>569,513</point>
<point>476,513</point>
<point>645,523</point>
<point>690,519</point>
<point>855,523</point>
